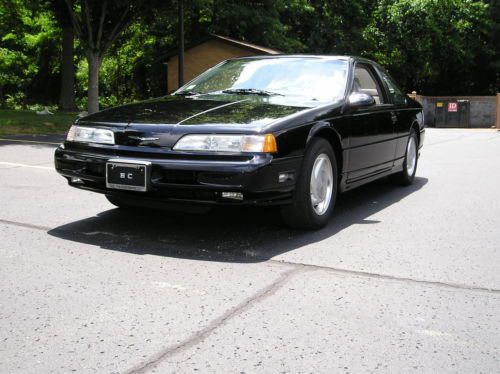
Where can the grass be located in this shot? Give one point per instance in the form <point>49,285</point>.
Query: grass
<point>18,122</point>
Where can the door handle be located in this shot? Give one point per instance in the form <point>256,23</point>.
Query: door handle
<point>394,118</point>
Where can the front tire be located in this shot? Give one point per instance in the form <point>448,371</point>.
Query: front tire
<point>315,189</point>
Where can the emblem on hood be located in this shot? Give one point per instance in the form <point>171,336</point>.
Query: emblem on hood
<point>143,139</point>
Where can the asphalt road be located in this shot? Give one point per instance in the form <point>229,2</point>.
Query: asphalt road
<point>402,279</point>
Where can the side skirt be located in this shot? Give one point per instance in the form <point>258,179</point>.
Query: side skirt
<point>347,186</point>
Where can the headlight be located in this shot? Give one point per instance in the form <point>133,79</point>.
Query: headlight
<point>227,143</point>
<point>90,135</point>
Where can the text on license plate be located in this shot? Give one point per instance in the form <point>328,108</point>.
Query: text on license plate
<point>131,176</point>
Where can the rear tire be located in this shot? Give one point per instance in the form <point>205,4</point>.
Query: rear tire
<point>315,189</point>
<point>410,163</point>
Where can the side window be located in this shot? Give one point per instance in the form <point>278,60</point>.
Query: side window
<point>365,82</point>
<point>398,98</point>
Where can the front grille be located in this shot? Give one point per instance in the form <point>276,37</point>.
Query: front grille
<point>82,168</point>
<point>96,170</point>
<point>174,176</point>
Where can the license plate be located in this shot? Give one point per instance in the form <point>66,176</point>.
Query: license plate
<point>127,175</point>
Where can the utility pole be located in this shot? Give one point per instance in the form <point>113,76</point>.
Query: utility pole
<point>181,43</point>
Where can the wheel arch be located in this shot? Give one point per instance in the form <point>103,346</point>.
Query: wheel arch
<point>415,126</point>
<point>325,131</point>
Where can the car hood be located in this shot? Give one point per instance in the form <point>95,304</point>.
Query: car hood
<point>161,122</point>
<point>213,109</point>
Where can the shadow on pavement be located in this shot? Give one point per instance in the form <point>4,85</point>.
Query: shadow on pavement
<point>225,234</point>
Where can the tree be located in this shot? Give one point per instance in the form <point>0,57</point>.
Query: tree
<point>97,24</point>
<point>67,94</point>
<point>491,78</point>
<point>255,21</point>
<point>28,44</point>
<point>444,47</point>
<point>434,47</point>
<point>328,27</point>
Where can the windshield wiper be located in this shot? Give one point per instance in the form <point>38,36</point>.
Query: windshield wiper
<point>187,93</point>
<point>250,91</point>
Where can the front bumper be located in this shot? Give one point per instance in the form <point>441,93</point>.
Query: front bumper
<point>185,180</point>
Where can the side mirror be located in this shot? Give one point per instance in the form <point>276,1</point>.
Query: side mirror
<point>360,99</point>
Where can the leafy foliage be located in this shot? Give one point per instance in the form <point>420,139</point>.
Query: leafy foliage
<point>329,27</point>
<point>255,21</point>
<point>432,46</point>
<point>28,41</point>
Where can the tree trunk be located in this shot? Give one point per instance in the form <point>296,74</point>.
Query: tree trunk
<point>94,61</point>
<point>67,98</point>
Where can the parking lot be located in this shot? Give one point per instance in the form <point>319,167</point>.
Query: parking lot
<point>403,279</point>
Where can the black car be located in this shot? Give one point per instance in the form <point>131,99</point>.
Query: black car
<point>290,131</point>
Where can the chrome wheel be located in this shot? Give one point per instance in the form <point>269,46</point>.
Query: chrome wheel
<point>322,184</point>
<point>411,156</point>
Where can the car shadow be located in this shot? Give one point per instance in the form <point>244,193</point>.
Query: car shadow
<point>240,234</point>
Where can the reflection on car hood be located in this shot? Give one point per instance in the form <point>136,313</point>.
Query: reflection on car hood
<point>162,122</point>
<point>198,110</point>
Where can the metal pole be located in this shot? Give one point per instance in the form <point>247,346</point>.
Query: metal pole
<point>498,111</point>
<point>181,43</point>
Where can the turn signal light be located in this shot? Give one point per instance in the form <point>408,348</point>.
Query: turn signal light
<point>270,145</point>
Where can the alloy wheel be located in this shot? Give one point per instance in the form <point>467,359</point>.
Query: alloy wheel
<point>321,186</point>
<point>411,156</point>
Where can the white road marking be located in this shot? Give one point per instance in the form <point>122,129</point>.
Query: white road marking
<point>433,333</point>
<point>26,166</point>
<point>28,141</point>
<point>178,287</point>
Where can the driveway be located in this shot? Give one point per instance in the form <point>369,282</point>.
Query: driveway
<point>403,279</point>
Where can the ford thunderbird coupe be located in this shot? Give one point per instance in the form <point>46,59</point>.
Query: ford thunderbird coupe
<point>288,131</point>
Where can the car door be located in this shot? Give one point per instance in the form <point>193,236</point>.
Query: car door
<point>372,143</point>
<point>401,113</point>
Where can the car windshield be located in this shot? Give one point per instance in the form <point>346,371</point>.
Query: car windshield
<point>318,79</point>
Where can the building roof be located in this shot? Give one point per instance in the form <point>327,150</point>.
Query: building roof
<point>258,49</point>
<point>255,47</point>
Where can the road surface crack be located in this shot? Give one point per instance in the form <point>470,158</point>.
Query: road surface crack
<point>202,334</point>
<point>361,273</point>
<point>366,274</point>
<point>25,225</point>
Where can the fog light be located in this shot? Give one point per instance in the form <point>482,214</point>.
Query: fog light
<point>285,177</point>
<point>76,180</point>
<point>232,195</point>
